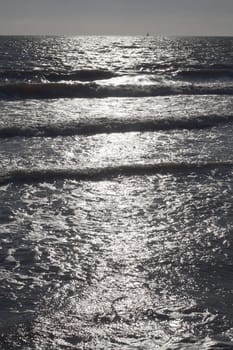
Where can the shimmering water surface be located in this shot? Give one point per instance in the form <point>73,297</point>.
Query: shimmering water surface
<point>116,187</point>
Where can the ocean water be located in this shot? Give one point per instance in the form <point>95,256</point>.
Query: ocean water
<point>116,193</point>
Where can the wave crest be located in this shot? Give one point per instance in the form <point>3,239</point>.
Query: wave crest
<point>98,174</point>
<point>205,74</point>
<point>93,90</point>
<point>113,126</point>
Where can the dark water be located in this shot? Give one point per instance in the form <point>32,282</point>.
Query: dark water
<point>116,187</point>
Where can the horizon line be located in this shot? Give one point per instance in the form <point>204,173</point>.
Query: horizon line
<point>126,35</point>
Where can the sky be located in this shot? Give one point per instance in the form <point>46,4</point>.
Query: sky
<point>116,17</point>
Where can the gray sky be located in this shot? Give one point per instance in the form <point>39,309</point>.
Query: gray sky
<point>165,17</point>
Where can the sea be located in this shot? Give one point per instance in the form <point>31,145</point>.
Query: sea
<point>116,193</point>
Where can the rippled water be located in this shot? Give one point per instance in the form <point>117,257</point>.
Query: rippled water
<point>116,193</point>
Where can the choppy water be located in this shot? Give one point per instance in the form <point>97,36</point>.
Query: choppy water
<point>116,187</point>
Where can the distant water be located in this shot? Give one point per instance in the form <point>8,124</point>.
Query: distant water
<point>116,190</point>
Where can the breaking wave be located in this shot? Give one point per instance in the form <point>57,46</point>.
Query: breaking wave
<point>113,126</point>
<point>56,76</point>
<point>93,90</point>
<point>22,175</point>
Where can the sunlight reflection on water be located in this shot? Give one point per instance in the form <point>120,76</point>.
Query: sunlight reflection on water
<point>128,265</point>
